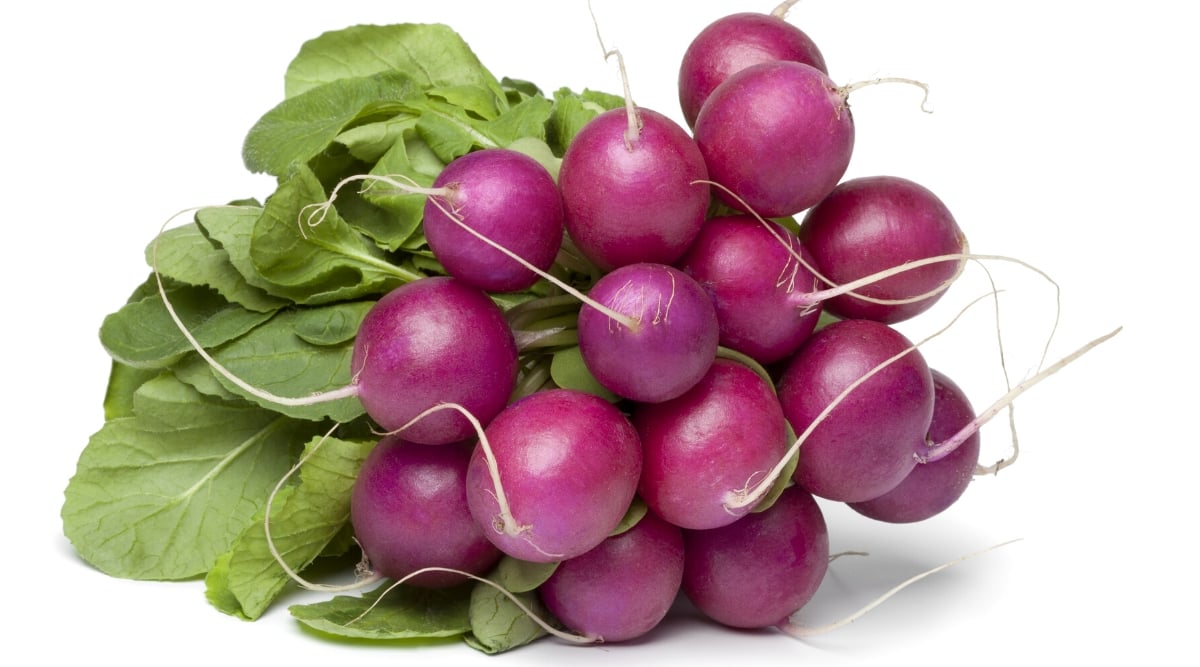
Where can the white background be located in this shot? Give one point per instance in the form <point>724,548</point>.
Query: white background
<point>1063,133</point>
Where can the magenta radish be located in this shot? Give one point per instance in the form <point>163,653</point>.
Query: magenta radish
<point>409,511</point>
<point>509,198</point>
<point>724,434</point>
<point>669,342</point>
<point>622,588</point>
<point>758,287</point>
<point>568,465</point>
<point>933,487</point>
<point>432,341</point>
<point>758,570</point>
<point>870,224</point>
<point>733,43</point>
<point>778,134</point>
<point>865,446</point>
<point>631,199</point>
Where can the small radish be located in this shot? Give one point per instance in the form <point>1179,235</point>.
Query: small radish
<point>622,588</point>
<point>865,446</point>
<point>409,511</point>
<point>507,197</point>
<point>870,224</point>
<point>733,43</point>
<point>760,569</point>
<point>723,434</point>
<point>668,342</point>
<point>568,465</point>
<point>932,487</point>
<point>758,283</point>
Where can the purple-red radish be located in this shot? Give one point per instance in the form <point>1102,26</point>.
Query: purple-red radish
<point>568,464</point>
<point>509,198</point>
<point>870,224</point>
<point>733,43</point>
<point>409,511</point>
<point>622,588</point>
<point>865,446</point>
<point>432,341</point>
<point>632,199</point>
<point>931,488</point>
<point>779,134</point>
<point>669,343</point>
<point>724,434</point>
<point>758,570</point>
<point>757,285</point>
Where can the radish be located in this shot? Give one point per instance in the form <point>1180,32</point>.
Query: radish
<point>932,487</point>
<point>723,434</point>
<point>758,275</point>
<point>866,445</point>
<point>622,588</point>
<point>758,570</point>
<point>733,43</point>
<point>669,339</point>
<point>409,511</point>
<point>568,465</point>
<point>508,197</point>
<point>432,341</point>
<point>870,224</point>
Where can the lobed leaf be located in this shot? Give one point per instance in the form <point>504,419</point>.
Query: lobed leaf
<point>405,612</point>
<point>185,254</point>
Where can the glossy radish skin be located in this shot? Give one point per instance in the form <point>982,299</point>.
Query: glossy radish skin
<point>931,488</point>
<point>624,587</point>
<point>721,436</point>
<point>755,572</point>
<point>733,43</point>
<point>756,285</point>
<point>569,464</point>
<point>870,224</point>
<point>509,198</point>
<point>409,511</point>
<point>778,134</point>
<point>865,446</point>
<point>673,345</point>
<point>630,204</point>
<point>433,341</point>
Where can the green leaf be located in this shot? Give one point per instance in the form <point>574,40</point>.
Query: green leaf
<point>276,357</point>
<point>161,494</point>
<point>301,127</point>
<point>310,262</point>
<point>143,335</point>
<point>574,110</point>
<point>452,132</point>
<point>369,142</point>
<point>432,55</point>
<point>569,372</point>
<point>405,612</point>
<point>499,624</point>
<point>637,510</point>
<point>123,381</point>
<point>305,519</point>
<point>185,254</point>
<point>520,576</point>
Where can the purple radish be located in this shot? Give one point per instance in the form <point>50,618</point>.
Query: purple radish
<point>631,199</point>
<point>733,43</point>
<point>669,342</point>
<point>568,465</point>
<point>778,134</point>
<point>757,286</point>
<point>722,435</point>
<point>622,588</point>
<point>507,197</point>
<point>867,225</point>
<point>758,570</point>
<point>432,341</point>
<point>933,487</point>
<point>865,446</point>
<point>409,511</point>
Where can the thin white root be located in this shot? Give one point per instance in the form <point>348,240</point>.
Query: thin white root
<point>550,629</point>
<point>313,215</point>
<point>363,576</point>
<point>792,627</point>
<point>851,87</point>
<point>782,9</point>
<point>841,554</point>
